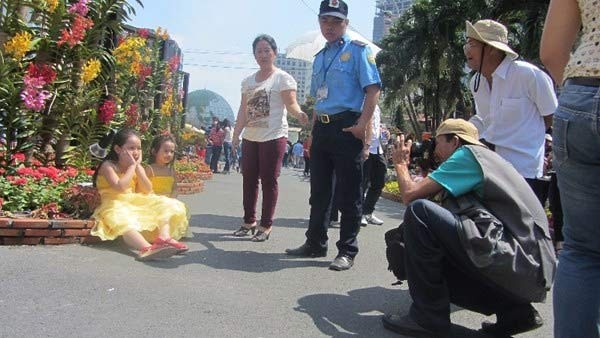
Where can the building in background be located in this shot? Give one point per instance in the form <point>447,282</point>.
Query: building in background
<point>386,14</point>
<point>300,70</point>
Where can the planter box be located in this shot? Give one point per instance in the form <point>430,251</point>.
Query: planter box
<point>190,188</point>
<point>31,231</point>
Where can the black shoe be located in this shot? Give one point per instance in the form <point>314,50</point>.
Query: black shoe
<point>515,321</point>
<point>306,251</point>
<point>406,326</point>
<point>341,263</point>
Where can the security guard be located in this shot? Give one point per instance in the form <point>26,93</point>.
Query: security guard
<point>346,85</point>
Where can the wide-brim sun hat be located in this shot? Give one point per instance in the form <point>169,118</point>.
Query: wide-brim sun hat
<point>492,33</point>
<point>465,130</point>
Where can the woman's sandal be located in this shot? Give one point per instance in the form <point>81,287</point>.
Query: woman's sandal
<point>181,248</point>
<point>261,236</point>
<point>243,230</point>
<point>156,251</point>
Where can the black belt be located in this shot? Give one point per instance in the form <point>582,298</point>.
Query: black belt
<point>324,118</point>
<point>583,81</point>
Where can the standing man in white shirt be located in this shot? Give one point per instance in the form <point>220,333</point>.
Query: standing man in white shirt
<point>514,100</point>
<point>374,170</point>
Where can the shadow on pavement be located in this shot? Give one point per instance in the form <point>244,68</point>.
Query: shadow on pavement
<point>358,314</point>
<point>248,261</point>
<point>230,224</point>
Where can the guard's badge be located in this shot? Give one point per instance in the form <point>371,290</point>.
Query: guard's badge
<point>345,57</point>
<point>371,59</point>
<point>334,3</point>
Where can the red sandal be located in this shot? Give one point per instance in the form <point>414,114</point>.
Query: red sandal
<point>156,251</point>
<point>170,242</point>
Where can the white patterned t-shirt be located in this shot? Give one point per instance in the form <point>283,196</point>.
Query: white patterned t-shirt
<point>267,116</point>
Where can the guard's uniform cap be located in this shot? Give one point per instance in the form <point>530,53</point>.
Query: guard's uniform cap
<point>337,8</point>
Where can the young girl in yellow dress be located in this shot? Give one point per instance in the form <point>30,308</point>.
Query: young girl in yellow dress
<point>160,168</point>
<point>127,207</point>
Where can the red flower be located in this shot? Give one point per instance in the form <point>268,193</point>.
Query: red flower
<point>25,171</point>
<point>107,111</point>
<point>19,181</point>
<point>132,115</point>
<point>72,172</point>
<point>74,35</point>
<point>89,172</point>
<point>145,71</point>
<point>174,63</point>
<point>19,157</point>
<point>143,32</point>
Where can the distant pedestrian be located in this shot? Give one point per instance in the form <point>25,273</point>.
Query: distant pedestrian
<point>267,97</point>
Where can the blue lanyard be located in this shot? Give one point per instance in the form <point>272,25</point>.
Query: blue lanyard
<point>331,62</point>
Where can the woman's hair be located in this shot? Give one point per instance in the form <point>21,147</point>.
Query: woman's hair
<point>119,139</point>
<point>269,39</point>
<point>226,123</point>
<point>157,143</point>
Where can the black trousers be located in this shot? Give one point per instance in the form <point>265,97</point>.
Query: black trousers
<point>214,160</point>
<point>440,272</point>
<point>374,170</point>
<point>334,151</point>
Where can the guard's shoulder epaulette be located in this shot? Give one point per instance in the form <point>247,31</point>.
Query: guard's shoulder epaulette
<point>359,43</point>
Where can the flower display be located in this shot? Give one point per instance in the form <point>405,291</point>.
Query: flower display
<point>18,45</point>
<point>75,35</point>
<point>90,70</point>
<point>51,5</point>
<point>80,8</point>
<point>36,187</point>
<point>131,52</point>
<point>107,111</point>
<point>132,115</point>
<point>37,76</point>
<point>35,99</point>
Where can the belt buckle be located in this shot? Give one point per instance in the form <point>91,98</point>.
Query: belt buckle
<point>324,118</point>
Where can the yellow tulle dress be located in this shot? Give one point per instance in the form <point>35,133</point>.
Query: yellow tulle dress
<point>120,212</point>
<point>162,185</point>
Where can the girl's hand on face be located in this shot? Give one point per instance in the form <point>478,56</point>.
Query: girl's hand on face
<point>128,158</point>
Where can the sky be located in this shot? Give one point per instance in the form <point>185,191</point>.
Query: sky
<point>216,36</point>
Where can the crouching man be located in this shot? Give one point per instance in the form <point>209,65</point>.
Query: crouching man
<point>486,248</point>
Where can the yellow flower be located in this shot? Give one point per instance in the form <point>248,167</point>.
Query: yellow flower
<point>167,106</point>
<point>52,4</point>
<point>18,45</point>
<point>90,70</point>
<point>162,34</point>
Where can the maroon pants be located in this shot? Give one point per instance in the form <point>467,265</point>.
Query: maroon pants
<point>261,160</point>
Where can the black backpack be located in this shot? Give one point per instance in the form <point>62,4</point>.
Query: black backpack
<point>396,252</point>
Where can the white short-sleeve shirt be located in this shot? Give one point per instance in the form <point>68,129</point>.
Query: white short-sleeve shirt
<point>267,116</point>
<point>512,113</point>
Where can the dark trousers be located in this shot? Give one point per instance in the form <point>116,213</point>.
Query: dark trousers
<point>374,170</point>
<point>261,160</point>
<point>555,208</point>
<point>540,189</point>
<point>306,165</point>
<point>214,161</point>
<point>227,155</point>
<point>339,152</point>
<point>440,272</point>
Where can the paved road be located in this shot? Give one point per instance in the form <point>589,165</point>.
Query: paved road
<point>225,286</point>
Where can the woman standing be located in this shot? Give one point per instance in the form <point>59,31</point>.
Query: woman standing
<point>217,137</point>
<point>266,95</point>
<point>576,140</point>
<point>227,145</point>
